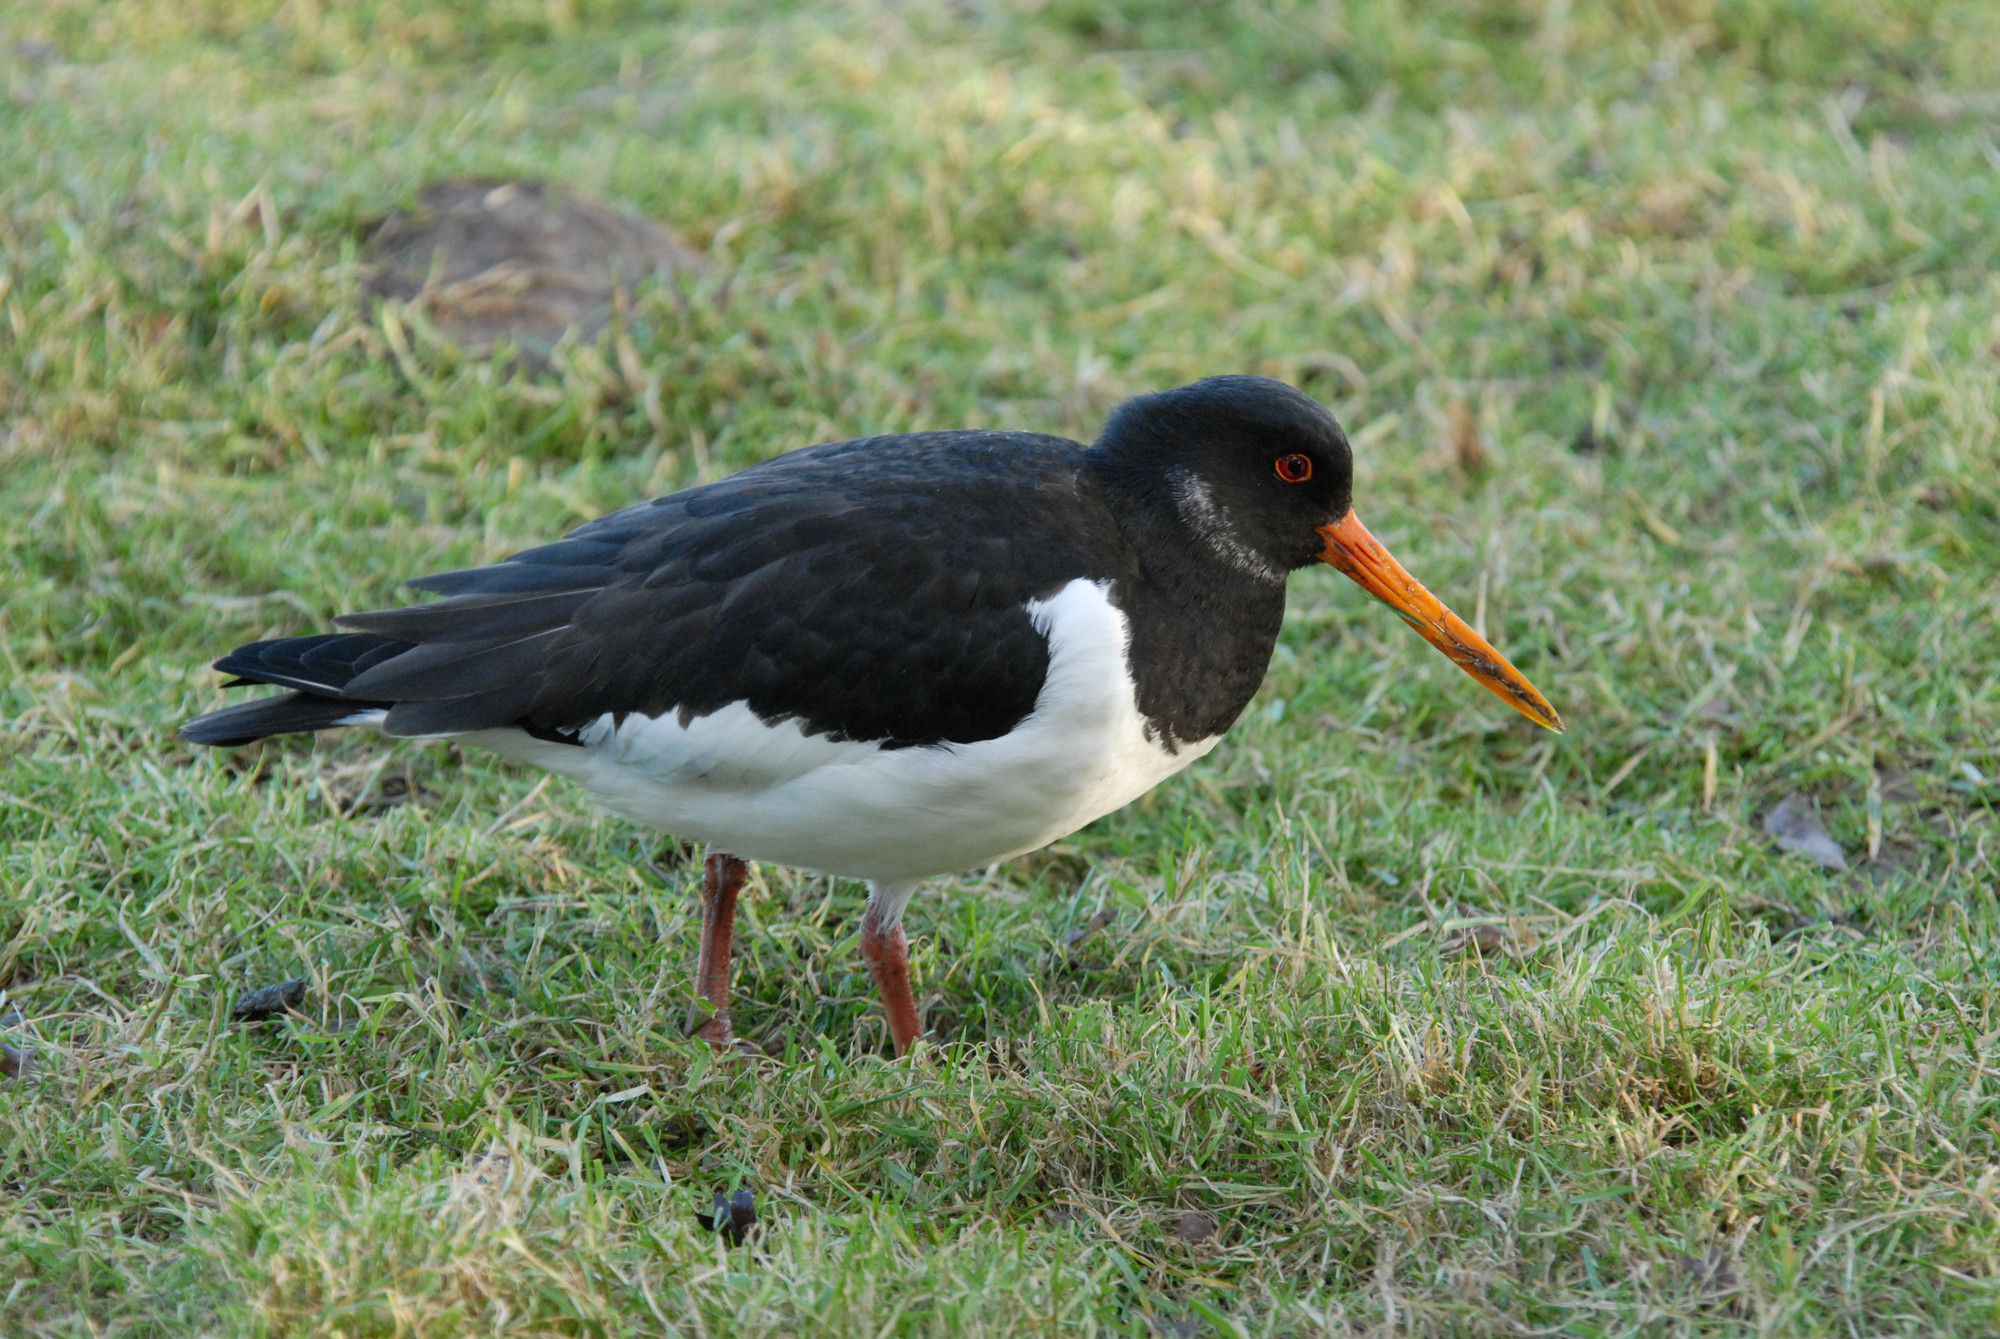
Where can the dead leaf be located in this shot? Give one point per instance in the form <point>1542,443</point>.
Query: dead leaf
<point>1089,928</point>
<point>1194,1228</point>
<point>271,1001</point>
<point>1466,445</point>
<point>358,789</point>
<point>1795,825</point>
<point>1713,1275</point>
<point>733,1216</point>
<point>1481,939</point>
<point>15,1063</point>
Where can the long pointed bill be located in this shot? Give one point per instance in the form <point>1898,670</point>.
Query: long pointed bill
<point>1354,551</point>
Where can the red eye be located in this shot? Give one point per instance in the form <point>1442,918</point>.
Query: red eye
<point>1294,469</point>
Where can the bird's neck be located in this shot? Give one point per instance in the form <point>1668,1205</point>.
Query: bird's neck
<point>1202,627</point>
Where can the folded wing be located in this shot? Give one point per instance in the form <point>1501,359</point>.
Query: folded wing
<point>858,590</point>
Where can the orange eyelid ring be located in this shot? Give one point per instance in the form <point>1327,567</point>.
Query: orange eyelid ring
<point>1362,558</point>
<point>1293,469</point>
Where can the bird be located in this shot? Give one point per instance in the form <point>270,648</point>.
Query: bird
<point>888,659</point>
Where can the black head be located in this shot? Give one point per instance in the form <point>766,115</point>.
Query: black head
<point>1249,467</point>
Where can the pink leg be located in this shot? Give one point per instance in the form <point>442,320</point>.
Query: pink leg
<point>722,878</point>
<point>886,950</point>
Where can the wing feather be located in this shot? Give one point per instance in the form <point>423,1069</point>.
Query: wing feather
<point>870,591</point>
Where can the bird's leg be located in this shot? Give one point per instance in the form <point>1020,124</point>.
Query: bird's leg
<point>721,879</point>
<point>887,952</point>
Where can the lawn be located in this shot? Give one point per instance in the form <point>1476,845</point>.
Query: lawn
<point>1668,335</point>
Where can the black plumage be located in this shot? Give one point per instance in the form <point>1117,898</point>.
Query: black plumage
<point>872,590</point>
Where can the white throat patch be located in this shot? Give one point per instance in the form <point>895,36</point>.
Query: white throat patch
<point>1198,508</point>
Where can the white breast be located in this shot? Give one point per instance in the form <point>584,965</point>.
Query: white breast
<point>774,793</point>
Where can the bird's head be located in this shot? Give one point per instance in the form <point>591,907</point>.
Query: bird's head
<point>1259,476</point>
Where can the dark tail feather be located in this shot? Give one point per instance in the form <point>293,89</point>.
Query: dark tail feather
<point>285,714</point>
<point>320,664</point>
<point>317,669</point>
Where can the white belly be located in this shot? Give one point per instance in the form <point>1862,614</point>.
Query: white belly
<point>773,793</point>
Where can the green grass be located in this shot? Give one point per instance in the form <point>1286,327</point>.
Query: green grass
<point>1719,281</point>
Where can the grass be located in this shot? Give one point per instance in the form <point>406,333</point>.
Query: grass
<point>1409,1019</point>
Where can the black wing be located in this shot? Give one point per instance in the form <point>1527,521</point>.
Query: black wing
<point>869,590</point>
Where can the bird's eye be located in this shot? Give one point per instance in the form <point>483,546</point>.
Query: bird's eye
<point>1294,469</point>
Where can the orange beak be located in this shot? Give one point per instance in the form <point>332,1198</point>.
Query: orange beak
<point>1354,551</point>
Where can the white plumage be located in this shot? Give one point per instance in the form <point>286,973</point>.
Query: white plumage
<point>891,816</point>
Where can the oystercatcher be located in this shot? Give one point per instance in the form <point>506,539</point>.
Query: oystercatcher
<point>886,659</point>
